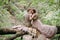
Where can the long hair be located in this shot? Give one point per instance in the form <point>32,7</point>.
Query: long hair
<point>32,10</point>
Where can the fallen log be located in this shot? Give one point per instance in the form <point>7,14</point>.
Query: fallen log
<point>18,34</point>
<point>7,31</point>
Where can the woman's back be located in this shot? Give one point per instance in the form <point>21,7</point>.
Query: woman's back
<point>47,30</point>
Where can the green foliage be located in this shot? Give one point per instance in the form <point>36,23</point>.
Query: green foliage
<point>4,22</point>
<point>2,2</point>
<point>48,10</point>
<point>20,16</point>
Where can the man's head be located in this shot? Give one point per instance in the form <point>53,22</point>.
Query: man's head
<point>31,10</point>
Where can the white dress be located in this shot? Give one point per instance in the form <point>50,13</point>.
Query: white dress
<point>47,30</point>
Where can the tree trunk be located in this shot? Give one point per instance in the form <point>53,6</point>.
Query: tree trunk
<point>18,34</point>
<point>7,31</point>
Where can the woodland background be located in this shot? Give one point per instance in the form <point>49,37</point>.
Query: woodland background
<point>12,11</point>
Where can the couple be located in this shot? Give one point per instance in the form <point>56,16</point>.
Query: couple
<point>31,20</point>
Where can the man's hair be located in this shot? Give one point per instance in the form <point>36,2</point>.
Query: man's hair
<point>32,10</point>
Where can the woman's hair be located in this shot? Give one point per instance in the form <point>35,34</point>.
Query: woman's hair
<point>32,10</point>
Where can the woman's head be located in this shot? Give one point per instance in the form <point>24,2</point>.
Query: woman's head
<point>31,10</point>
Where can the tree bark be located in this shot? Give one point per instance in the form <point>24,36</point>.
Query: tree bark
<point>7,31</point>
<point>18,34</point>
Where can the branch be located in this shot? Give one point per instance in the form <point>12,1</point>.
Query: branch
<point>18,34</point>
<point>29,5</point>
